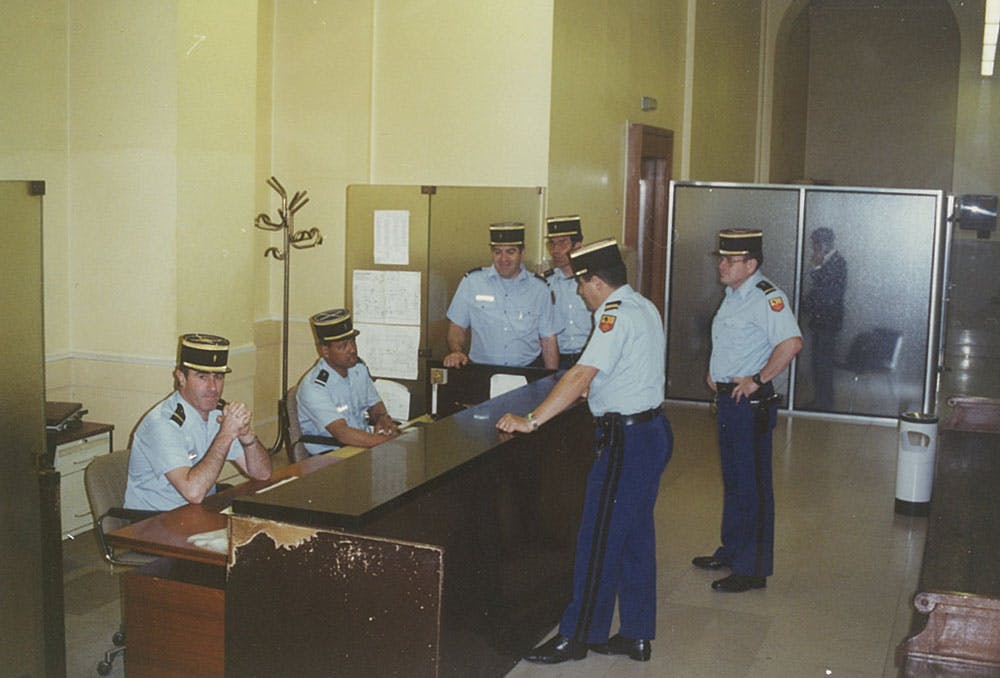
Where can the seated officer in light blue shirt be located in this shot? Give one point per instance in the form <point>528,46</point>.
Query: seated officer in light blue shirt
<point>564,235</point>
<point>180,445</point>
<point>336,397</point>
<point>508,310</point>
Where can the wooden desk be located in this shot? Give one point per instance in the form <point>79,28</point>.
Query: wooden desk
<point>957,625</point>
<point>166,534</point>
<point>504,511</point>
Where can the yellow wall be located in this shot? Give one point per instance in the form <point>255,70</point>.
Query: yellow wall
<point>155,143</point>
<point>725,96</point>
<point>606,57</point>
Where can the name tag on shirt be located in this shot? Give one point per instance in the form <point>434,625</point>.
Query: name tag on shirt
<point>341,408</point>
<point>485,297</point>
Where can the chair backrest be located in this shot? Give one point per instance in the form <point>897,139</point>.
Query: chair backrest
<point>296,450</point>
<point>105,479</point>
<point>395,397</point>
<point>875,350</point>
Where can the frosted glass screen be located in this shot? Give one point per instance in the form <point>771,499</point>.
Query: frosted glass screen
<point>857,265</point>
<point>695,291</point>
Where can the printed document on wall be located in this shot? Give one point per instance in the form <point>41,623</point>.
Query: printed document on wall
<point>392,237</point>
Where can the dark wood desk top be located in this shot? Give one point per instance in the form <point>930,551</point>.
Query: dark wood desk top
<point>347,496</point>
<point>167,534</point>
<point>359,489</point>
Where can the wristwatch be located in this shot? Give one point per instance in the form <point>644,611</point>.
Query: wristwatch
<point>757,380</point>
<point>531,420</point>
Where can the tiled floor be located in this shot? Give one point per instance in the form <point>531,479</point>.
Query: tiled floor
<point>839,603</point>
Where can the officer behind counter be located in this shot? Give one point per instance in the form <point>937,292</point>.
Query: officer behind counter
<point>562,236</point>
<point>337,397</point>
<point>181,444</point>
<point>622,373</point>
<point>508,310</point>
<point>754,338</point>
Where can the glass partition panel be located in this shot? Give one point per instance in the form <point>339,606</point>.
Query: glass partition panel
<point>866,298</point>
<point>694,291</point>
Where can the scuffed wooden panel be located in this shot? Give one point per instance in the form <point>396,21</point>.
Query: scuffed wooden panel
<point>358,606</point>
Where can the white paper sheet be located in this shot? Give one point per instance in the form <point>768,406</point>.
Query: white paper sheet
<point>392,237</point>
<point>390,351</point>
<point>386,297</point>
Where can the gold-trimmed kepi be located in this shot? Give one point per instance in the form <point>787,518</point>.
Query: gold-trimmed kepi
<point>560,226</point>
<point>507,233</point>
<point>333,325</point>
<point>204,352</point>
<point>737,241</point>
<point>597,256</point>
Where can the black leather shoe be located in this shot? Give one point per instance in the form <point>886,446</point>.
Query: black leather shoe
<point>709,563</point>
<point>557,650</point>
<point>639,650</point>
<point>737,583</point>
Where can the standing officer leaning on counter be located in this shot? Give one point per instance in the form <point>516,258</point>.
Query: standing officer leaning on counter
<point>509,311</point>
<point>754,338</point>
<point>337,397</point>
<point>180,445</point>
<point>622,373</point>
<point>562,236</point>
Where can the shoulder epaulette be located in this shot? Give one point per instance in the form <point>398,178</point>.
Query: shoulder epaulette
<point>473,270</point>
<point>549,273</point>
<point>540,277</point>
<point>321,378</point>
<point>766,287</point>
<point>612,305</point>
<point>178,416</point>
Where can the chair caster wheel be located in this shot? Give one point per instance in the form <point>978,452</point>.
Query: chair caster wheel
<point>119,638</point>
<point>103,668</point>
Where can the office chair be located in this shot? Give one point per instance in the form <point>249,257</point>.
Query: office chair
<point>874,351</point>
<point>295,447</point>
<point>105,479</point>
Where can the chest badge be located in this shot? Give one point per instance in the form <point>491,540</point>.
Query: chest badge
<point>607,323</point>
<point>776,303</point>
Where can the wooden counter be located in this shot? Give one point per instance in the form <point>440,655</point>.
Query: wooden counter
<point>957,625</point>
<point>503,510</point>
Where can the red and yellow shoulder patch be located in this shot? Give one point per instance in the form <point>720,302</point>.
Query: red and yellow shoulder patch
<point>607,323</point>
<point>777,303</point>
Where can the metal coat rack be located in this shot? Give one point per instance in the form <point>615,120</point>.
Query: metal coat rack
<point>292,239</point>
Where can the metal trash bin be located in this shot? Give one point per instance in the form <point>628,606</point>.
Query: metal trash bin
<point>915,462</point>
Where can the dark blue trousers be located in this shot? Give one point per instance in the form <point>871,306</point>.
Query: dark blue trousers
<point>616,544</point>
<point>748,506</point>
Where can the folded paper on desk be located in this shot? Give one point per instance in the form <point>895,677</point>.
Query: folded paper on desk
<point>214,540</point>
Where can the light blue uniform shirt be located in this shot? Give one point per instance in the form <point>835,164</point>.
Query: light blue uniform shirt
<point>571,312</point>
<point>748,325</point>
<point>170,436</point>
<point>628,348</point>
<point>324,396</point>
<point>507,317</point>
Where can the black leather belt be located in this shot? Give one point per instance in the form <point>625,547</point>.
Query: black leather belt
<point>628,419</point>
<point>764,397</point>
<point>572,356</point>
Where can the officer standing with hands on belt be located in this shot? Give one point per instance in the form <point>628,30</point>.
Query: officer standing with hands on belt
<point>754,338</point>
<point>564,235</point>
<point>621,372</point>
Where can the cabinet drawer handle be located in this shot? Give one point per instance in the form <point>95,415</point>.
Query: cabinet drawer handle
<point>82,461</point>
<point>81,515</point>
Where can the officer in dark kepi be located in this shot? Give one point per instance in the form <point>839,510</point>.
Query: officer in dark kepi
<point>338,403</point>
<point>181,444</point>
<point>564,235</point>
<point>507,311</point>
<point>754,338</point>
<point>622,374</point>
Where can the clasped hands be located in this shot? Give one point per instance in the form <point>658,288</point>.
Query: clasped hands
<point>235,420</point>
